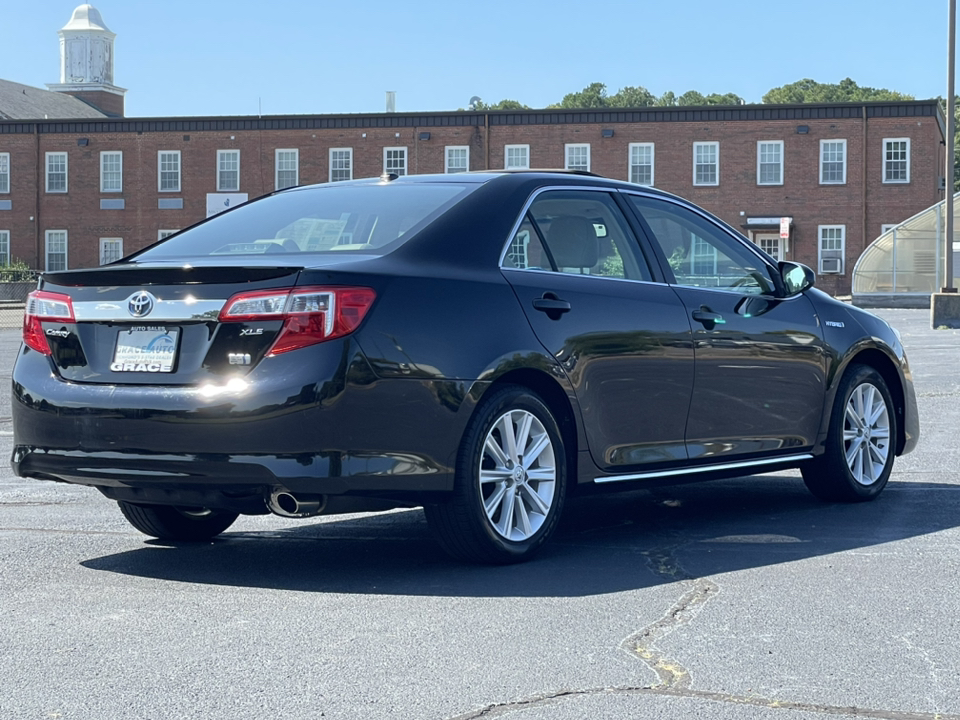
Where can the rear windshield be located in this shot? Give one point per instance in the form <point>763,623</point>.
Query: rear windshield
<point>370,219</point>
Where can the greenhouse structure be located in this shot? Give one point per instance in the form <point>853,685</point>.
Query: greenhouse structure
<point>904,266</point>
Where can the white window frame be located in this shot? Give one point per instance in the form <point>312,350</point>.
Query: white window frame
<point>46,250</point>
<point>760,144</point>
<point>104,241</point>
<point>843,143</point>
<point>160,154</point>
<point>331,160</point>
<point>4,173</point>
<point>277,169</point>
<point>842,249</point>
<point>568,148</point>
<point>759,239</point>
<point>104,154</point>
<point>887,226</point>
<point>631,165</point>
<point>66,171</point>
<point>716,163</point>
<point>403,150</point>
<point>446,158</point>
<point>506,157</point>
<point>221,156</point>
<point>885,161</point>
<point>166,232</point>
<point>4,247</point>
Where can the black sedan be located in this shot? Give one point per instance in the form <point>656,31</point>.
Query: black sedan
<point>483,345</point>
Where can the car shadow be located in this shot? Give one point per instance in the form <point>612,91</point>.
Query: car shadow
<point>605,544</point>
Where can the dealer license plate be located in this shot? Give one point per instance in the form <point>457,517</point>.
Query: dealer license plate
<point>146,349</point>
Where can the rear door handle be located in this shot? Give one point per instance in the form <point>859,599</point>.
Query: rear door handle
<point>709,318</point>
<point>553,306</point>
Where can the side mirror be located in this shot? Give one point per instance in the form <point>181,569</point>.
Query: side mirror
<point>796,277</point>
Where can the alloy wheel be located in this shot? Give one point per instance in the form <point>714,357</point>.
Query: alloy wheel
<point>866,433</point>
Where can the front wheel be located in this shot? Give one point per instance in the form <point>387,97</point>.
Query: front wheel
<point>172,523</point>
<point>861,441</point>
<point>510,482</point>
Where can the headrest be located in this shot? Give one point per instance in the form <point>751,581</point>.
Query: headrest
<point>573,242</point>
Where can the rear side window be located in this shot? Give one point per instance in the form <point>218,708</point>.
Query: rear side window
<point>576,232</point>
<point>371,219</point>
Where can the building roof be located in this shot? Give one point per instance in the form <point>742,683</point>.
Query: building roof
<point>23,102</point>
<point>86,17</point>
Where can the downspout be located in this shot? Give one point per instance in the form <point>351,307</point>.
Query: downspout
<point>863,186</point>
<point>486,141</point>
<point>36,214</point>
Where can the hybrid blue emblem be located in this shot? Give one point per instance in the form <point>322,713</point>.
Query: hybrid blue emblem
<point>141,304</point>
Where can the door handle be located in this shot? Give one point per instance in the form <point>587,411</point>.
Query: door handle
<point>553,306</point>
<point>709,318</point>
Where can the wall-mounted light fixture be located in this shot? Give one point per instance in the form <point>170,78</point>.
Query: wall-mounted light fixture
<point>607,132</point>
<point>802,129</point>
<point>83,142</point>
<point>424,136</point>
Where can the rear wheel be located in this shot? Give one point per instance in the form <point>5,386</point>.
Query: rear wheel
<point>173,523</point>
<point>861,442</point>
<point>510,482</point>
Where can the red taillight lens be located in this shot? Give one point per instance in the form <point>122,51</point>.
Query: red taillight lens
<point>310,314</point>
<point>44,307</point>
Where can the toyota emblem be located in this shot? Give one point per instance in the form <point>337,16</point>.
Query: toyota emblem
<point>141,304</point>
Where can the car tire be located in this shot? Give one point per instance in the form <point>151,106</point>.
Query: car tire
<point>172,523</point>
<point>507,500</point>
<point>861,441</point>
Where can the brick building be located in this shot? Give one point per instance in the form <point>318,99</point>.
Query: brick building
<point>78,191</point>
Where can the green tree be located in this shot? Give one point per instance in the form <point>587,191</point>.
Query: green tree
<point>691,97</point>
<point>810,91</point>
<point>629,97</point>
<point>593,95</point>
<point>668,99</point>
<point>725,99</point>
<point>502,105</point>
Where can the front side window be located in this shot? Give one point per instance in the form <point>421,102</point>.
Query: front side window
<point>577,157</point>
<point>228,170</point>
<point>4,172</point>
<point>896,160</point>
<point>706,163</point>
<point>4,247</point>
<point>341,164</point>
<point>641,163</point>
<point>701,253</point>
<point>457,159</point>
<point>111,250</point>
<point>287,168</point>
<point>516,157</point>
<point>168,171</point>
<point>111,171</point>
<point>576,232</point>
<point>56,250</point>
<point>770,162</point>
<point>395,160</point>
<point>833,162</point>
<point>56,172</point>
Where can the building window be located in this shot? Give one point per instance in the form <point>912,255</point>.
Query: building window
<point>517,252</point>
<point>577,157</point>
<point>641,163</point>
<point>341,164</point>
<point>457,159</point>
<point>4,172</point>
<point>56,250</point>
<point>706,163</point>
<point>56,172</point>
<point>886,227</point>
<point>516,157</point>
<point>772,245</point>
<point>703,257</point>
<point>111,250</point>
<point>770,162</point>
<point>395,160</point>
<point>4,247</point>
<point>896,160</point>
<point>161,234</point>
<point>111,172</point>
<point>833,162</point>
<point>287,168</point>
<point>831,248</point>
<point>228,170</point>
<point>168,171</point>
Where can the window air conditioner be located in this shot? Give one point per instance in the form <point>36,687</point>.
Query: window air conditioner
<point>831,265</point>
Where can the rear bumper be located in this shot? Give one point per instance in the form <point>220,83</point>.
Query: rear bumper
<point>316,420</point>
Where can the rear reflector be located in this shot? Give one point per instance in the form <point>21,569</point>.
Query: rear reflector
<point>44,307</point>
<point>310,314</point>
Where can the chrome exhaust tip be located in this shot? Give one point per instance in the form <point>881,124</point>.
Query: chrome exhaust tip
<point>284,503</point>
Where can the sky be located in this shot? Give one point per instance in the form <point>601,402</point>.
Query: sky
<point>214,57</point>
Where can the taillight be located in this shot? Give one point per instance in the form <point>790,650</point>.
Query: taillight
<point>310,314</point>
<point>44,307</point>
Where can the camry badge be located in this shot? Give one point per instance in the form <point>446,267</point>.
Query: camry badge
<point>141,304</point>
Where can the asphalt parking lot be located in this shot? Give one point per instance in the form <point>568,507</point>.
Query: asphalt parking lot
<point>744,598</point>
